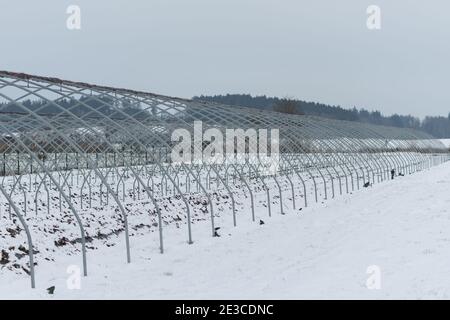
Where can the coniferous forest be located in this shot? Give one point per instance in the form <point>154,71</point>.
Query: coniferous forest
<point>438,127</point>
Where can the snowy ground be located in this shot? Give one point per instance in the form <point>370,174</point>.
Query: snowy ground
<point>401,226</point>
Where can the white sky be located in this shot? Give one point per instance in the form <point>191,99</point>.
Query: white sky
<point>317,50</point>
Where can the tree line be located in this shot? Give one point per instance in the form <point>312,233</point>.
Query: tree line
<point>438,127</point>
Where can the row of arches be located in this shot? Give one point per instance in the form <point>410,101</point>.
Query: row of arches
<point>74,137</point>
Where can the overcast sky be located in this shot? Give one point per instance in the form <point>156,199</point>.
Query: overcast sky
<point>317,50</point>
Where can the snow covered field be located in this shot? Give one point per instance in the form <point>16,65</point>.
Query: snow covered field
<point>324,251</point>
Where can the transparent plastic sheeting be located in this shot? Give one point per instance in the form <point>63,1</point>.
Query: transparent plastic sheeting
<point>65,135</point>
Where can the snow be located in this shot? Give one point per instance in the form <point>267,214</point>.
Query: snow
<point>322,252</point>
<point>446,142</point>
